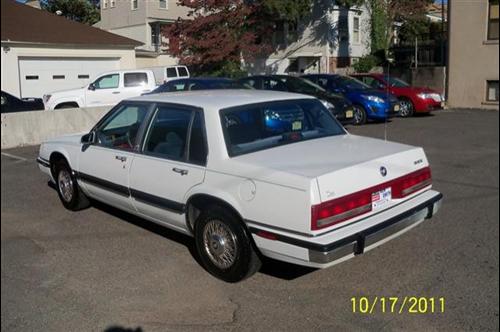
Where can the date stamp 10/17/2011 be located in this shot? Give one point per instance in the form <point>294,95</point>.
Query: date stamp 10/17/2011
<point>398,305</point>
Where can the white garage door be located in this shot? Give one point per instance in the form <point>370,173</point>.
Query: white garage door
<point>42,75</point>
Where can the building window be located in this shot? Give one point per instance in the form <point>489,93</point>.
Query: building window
<point>493,20</point>
<point>343,27</point>
<point>492,91</point>
<point>112,3</point>
<point>57,77</point>
<point>135,4</point>
<point>356,36</point>
<point>83,77</point>
<point>163,4</point>
<point>32,77</point>
<point>104,4</point>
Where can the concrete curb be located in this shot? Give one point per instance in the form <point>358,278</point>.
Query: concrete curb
<point>32,128</point>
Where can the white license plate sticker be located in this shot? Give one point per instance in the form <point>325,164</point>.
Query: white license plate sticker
<point>381,198</point>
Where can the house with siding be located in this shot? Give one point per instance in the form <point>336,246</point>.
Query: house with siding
<point>330,39</point>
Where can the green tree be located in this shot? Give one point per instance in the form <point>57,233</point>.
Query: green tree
<point>83,11</point>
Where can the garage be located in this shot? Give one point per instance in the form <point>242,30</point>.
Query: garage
<point>49,53</point>
<point>42,75</point>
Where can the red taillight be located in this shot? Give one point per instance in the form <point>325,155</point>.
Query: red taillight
<point>341,209</point>
<point>411,183</point>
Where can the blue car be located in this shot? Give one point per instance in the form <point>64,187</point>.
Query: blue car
<point>368,103</point>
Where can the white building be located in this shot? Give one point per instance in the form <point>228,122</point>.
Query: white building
<point>330,39</point>
<point>42,52</point>
<point>143,21</point>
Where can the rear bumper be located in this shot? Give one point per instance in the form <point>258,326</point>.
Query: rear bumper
<point>360,242</point>
<point>341,244</point>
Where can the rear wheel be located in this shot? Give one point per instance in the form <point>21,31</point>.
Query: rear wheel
<point>224,246</point>
<point>359,115</point>
<point>407,108</point>
<point>68,190</point>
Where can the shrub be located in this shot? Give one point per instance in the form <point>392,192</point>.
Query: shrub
<point>366,63</point>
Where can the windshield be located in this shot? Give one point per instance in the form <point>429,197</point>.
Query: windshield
<point>300,85</point>
<point>396,82</point>
<point>262,126</point>
<point>350,83</point>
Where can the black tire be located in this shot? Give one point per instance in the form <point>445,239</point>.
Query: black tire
<point>66,105</point>
<point>359,115</point>
<point>407,108</point>
<point>68,190</point>
<point>217,229</point>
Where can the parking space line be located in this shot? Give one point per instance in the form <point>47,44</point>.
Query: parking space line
<point>13,156</point>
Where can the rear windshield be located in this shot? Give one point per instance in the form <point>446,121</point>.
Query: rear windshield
<point>262,126</point>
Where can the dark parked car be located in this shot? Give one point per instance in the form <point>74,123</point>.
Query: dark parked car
<point>340,107</point>
<point>368,103</point>
<point>413,99</point>
<point>200,83</point>
<point>12,104</point>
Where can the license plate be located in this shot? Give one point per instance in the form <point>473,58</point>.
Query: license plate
<point>381,198</point>
<point>396,108</point>
<point>349,114</point>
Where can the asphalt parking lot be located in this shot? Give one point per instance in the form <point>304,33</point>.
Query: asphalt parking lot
<point>99,269</point>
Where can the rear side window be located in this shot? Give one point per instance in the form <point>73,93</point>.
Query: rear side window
<point>197,144</point>
<point>182,71</point>
<point>168,133</point>
<point>171,72</point>
<point>135,79</point>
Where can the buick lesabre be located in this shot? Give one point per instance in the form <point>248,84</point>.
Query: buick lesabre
<point>247,174</point>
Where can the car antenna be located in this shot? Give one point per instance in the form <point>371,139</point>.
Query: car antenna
<point>389,60</point>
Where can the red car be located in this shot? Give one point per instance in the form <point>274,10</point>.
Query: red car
<point>412,99</point>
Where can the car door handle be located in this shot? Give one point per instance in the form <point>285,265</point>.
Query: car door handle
<point>121,158</point>
<point>116,92</point>
<point>180,171</point>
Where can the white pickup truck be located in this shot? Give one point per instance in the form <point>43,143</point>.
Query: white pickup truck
<point>107,89</point>
<point>246,173</point>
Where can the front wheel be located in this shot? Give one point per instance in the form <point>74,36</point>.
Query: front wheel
<point>224,246</point>
<point>407,108</point>
<point>359,115</point>
<point>68,190</point>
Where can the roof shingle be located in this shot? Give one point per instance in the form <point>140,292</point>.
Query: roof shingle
<point>21,23</point>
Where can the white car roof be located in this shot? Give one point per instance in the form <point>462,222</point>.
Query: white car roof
<point>219,99</point>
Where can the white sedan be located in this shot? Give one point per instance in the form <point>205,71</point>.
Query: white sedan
<point>246,173</point>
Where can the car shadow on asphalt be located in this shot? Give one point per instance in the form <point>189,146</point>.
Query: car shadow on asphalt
<point>270,267</point>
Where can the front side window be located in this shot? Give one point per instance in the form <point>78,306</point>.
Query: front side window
<point>107,82</point>
<point>395,82</point>
<point>120,130</point>
<point>135,79</point>
<point>168,133</point>
<point>493,19</point>
<point>262,126</point>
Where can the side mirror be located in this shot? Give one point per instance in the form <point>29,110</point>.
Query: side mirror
<point>91,86</point>
<point>88,139</point>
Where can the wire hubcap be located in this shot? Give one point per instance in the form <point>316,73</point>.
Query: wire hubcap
<point>220,244</point>
<point>65,185</point>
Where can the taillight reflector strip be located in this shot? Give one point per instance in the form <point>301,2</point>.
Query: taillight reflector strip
<point>341,209</point>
